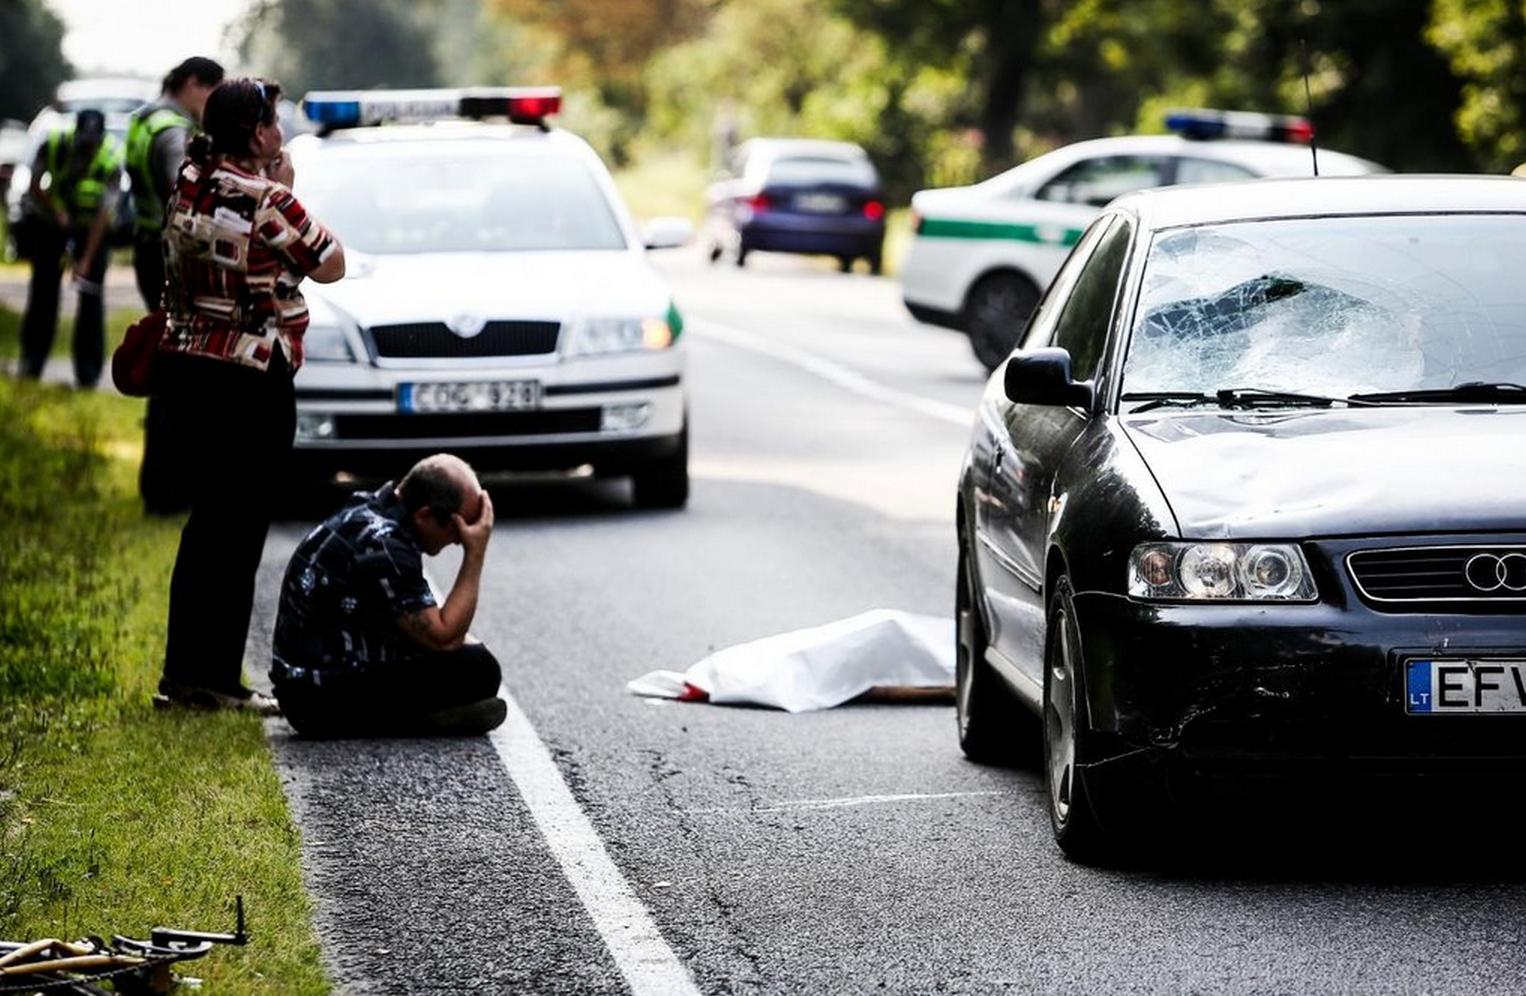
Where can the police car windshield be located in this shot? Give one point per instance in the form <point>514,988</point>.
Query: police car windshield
<point>459,199</point>
<point>1332,306</point>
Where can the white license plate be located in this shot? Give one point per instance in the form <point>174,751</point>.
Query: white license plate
<point>1435,687</point>
<point>821,203</point>
<point>477,396</point>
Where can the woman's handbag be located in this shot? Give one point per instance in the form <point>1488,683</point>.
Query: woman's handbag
<point>132,364</point>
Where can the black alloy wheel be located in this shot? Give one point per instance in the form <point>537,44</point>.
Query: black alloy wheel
<point>1066,739</point>
<point>664,483</point>
<point>993,726</point>
<point>994,314</point>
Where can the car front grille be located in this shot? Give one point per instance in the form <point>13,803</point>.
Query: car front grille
<point>1476,574</point>
<point>435,340</point>
<point>547,422</point>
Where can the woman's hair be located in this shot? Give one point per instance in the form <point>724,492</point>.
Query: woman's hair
<point>198,68</point>
<point>234,110</point>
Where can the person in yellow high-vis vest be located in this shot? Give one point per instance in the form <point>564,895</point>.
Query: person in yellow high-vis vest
<point>76,179</point>
<point>157,135</point>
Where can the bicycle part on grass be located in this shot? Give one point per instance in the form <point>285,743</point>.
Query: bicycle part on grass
<point>133,967</point>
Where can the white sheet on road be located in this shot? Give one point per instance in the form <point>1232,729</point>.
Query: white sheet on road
<point>819,667</point>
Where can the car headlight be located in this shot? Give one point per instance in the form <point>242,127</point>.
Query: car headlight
<point>326,344</point>
<point>593,336</point>
<point>1225,572</point>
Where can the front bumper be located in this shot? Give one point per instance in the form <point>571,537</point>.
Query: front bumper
<point>348,417</point>
<point>1195,694</point>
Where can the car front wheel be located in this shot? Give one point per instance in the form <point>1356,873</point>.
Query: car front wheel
<point>995,312</point>
<point>1066,739</point>
<point>664,483</point>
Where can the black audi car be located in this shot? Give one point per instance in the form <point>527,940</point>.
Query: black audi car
<point>1249,499</point>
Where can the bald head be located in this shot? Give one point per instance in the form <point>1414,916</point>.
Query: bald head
<point>443,485</point>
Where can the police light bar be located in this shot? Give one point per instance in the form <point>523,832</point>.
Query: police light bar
<point>1202,123</point>
<point>361,108</point>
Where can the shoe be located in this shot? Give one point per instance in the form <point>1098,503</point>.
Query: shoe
<point>470,720</point>
<point>172,695</point>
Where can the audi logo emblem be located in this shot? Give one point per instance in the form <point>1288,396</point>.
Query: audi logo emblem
<point>1492,571</point>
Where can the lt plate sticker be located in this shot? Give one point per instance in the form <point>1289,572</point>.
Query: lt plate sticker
<point>1473,686</point>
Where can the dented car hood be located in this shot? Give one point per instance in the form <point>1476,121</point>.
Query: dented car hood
<point>1338,472</point>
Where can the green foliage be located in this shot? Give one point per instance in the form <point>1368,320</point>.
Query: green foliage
<point>314,44</point>
<point>1485,43</point>
<point>32,61</point>
<point>115,817</point>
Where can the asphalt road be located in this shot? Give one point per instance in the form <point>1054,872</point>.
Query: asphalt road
<point>846,851</point>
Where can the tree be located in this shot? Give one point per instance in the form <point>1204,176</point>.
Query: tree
<point>1485,43</point>
<point>998,38</point>
<point>315,44</point>
<point>32,62</point>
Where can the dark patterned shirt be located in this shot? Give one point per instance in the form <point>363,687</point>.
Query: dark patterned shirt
<point>236,245</point>
<point>348,583</point>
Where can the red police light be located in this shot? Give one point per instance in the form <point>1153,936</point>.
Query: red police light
<point>533,108</point>
<point>874,210</point>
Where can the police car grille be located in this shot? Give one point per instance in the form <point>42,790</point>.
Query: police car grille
<point>546,422</point>
<point>1441,574</point>
<point>435,340</point>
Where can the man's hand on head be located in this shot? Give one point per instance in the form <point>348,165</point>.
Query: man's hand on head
<point>475,534</point>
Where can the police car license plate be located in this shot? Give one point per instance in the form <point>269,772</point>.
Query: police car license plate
<point>477,396</point>
<point>1453,685</point>
<point>821,203</point>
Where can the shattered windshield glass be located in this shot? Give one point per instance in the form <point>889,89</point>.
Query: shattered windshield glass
<point>1333,306</point>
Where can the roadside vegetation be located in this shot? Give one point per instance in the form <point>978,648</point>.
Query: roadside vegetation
<point>115,818</point>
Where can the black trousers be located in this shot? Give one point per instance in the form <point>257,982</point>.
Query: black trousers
<point>161,476</point>
<point>390,700</point>
<point>40,324</point>
<point>235,425</point>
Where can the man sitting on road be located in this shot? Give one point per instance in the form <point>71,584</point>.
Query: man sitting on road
<point>361,646</point>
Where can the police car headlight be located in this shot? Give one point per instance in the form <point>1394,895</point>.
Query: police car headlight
<point>595,336</point>
<point>327,344</point>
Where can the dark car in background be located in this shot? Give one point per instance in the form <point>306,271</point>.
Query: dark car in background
<point>1245,505</point>
<point>798,196</point>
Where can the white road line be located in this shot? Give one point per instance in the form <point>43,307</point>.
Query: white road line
<point>857,800</point>
<point>830,370</point>
<point>650,967</point>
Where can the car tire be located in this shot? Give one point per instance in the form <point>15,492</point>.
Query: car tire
<point>992,724</point>
<point>741,259</point>
<point>845,264</point>
<point>876,264</point>
<point>715,252</point>
<point>995,312</point>
<point>664,483</point>
<point>1067,741</point>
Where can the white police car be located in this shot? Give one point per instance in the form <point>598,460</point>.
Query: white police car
<point>982,255</point>
<point>498,303</point>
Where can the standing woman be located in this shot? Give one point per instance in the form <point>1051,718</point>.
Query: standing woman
<point>237,245</point>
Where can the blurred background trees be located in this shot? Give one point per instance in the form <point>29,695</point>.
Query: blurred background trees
<point>32,61</point>
<point>940,91</point>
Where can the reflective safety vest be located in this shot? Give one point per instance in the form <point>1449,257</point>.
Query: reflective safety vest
<point>148,192</point>
<point>81,194</point>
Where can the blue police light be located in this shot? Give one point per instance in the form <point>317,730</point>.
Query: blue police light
<point>1202,124</point>
<point>357,108</point>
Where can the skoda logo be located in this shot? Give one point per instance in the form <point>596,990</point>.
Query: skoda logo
<point>466,326</point>
<point>1492,571</point>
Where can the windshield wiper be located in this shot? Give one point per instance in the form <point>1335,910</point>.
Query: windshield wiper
<point>1497,392</point>
<point>1236,397</point>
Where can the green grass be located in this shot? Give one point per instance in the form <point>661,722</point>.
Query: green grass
<point>114,817</point>
<point>664,184</point>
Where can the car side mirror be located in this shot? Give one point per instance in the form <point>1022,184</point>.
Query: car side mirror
<point>667,233</point>
<point>1042,377</point>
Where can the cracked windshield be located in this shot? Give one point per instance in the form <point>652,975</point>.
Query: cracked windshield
<point>1332,306</point>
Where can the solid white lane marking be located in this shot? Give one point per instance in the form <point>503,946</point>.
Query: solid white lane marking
<point>830,370</point>
<point>857,800</point>
<point>638,949</point>
<point>650,967</point>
